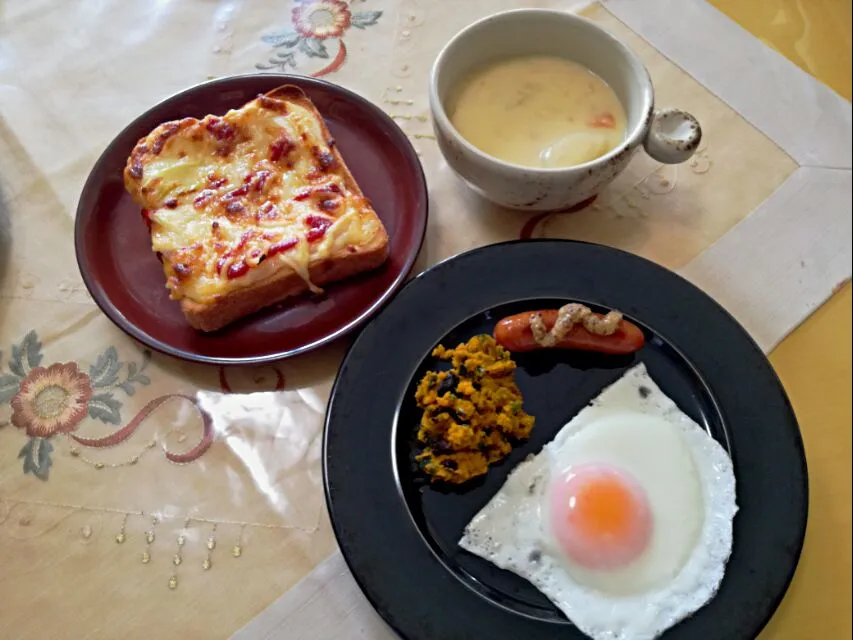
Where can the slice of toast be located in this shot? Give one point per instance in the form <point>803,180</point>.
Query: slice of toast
<point>251,208</point>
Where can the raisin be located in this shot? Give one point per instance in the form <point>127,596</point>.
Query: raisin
<point>448,384</point>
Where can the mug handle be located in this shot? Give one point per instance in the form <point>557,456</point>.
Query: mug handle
<point>673,136</point>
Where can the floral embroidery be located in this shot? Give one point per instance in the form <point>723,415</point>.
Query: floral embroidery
<point>542,219</point>
<point>322,19</point>
<point>530,225</point>
<point>52,400</point>
<point>315,24</point>
<point>627,203</point>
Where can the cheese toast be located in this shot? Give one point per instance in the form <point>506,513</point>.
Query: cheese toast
<point>248,209</point>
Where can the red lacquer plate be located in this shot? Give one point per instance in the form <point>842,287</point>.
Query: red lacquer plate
<point>126,280</point>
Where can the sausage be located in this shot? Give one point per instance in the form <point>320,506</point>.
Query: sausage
<point>514,334</point>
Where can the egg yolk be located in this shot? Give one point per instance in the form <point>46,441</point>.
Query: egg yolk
<point>600,516</point>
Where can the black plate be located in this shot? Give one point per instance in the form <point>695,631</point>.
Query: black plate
<point>399,535</point>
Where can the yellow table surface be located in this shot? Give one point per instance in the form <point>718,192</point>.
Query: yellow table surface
<point>814,363</point>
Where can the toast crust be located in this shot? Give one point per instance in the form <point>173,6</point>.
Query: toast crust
<point>275,280</point>
<point>287,284</point>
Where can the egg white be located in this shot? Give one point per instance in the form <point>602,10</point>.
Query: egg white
<point>690,484</point>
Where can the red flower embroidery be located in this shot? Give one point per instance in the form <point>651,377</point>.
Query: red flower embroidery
<point>52,400</point>
<point>321,19</point>
<point>316,24</point>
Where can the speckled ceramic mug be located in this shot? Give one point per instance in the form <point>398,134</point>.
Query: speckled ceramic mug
<point>670,136</point>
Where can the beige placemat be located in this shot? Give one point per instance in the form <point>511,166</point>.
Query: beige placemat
<point>247,500</point>
<point>770,266</point>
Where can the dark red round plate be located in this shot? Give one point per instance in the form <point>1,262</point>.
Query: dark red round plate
<point>126,280</point>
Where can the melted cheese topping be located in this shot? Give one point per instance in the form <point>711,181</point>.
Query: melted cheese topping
<point>232,200</point>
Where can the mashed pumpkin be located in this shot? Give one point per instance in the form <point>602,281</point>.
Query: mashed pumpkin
<point>472,413</point>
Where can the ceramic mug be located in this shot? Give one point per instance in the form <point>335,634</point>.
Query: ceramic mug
<point>670,136</point>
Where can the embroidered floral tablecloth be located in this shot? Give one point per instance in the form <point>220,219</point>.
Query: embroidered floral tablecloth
<point>141,496</point>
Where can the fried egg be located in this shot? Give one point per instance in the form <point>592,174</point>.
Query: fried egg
<point>624,520</point>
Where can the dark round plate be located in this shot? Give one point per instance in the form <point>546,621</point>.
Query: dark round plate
<point>399,534</point>
<point>126,280</point>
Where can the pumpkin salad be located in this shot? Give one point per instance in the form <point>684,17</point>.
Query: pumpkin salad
<point>471,413</point>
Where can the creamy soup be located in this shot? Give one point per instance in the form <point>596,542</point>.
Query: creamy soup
<point>544,112</point>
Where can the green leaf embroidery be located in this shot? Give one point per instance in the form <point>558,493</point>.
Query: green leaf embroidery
<point>26,356</point>
<point>105,370</point>
<point>15,365</point>
<point>313,48</point>
<point>36,456</point>
<point>44,462</point>
<point>135,375</point>
<point>105,408</point>
<point>364,19</point>
<point>282,60</point>
<point>33,346</point>
<point>283,39</point>
<point>9,385</point>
